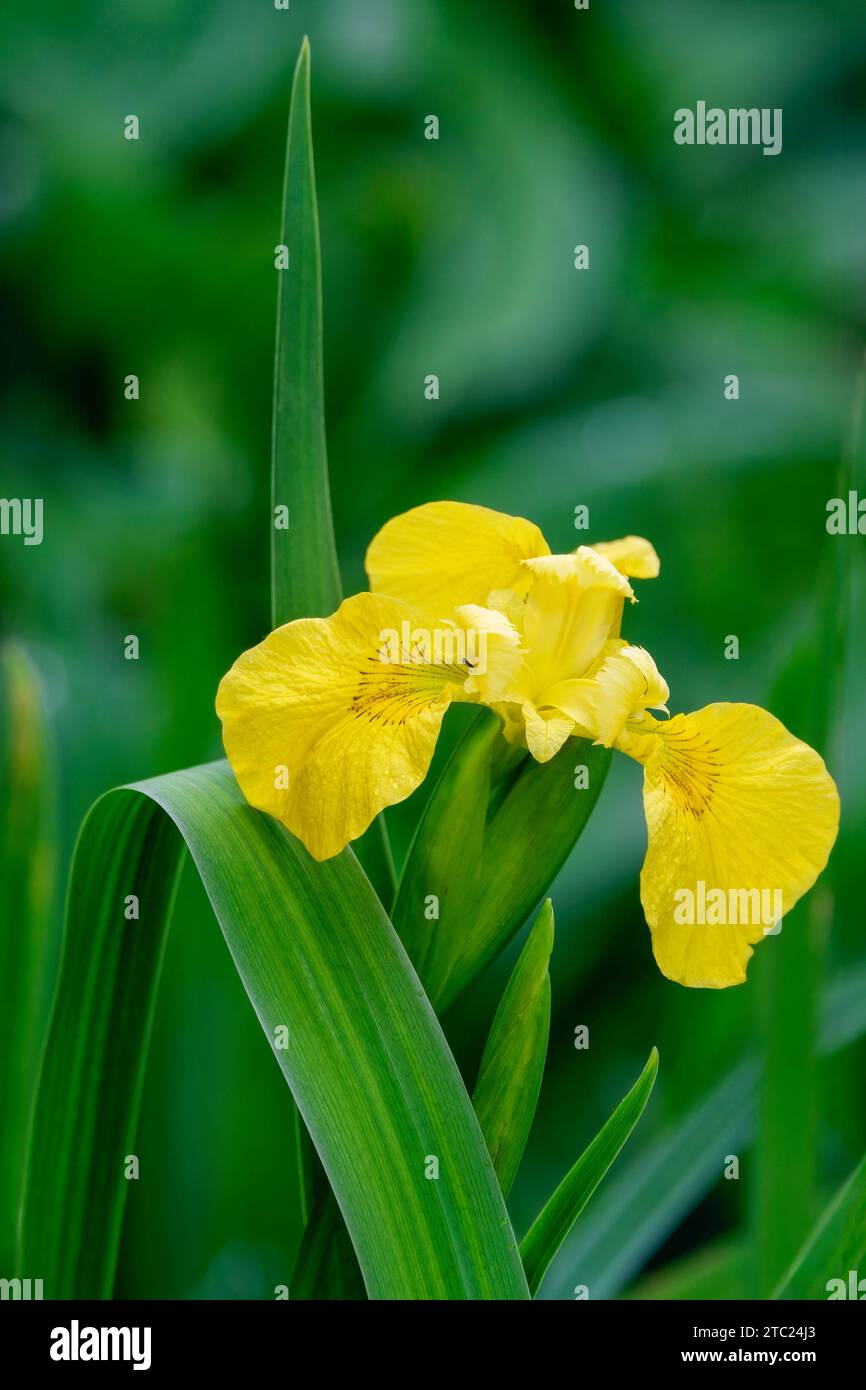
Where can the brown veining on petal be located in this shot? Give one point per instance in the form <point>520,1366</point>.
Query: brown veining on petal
<point>691,766</point>
<point>392,694</point>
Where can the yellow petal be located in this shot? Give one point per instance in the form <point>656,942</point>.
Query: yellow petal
<point>625,683</point>
<point>574,605</point>
<point>493,650</point>
<point>545,731</point>
<point>510,604</point>
<point>584,568</point>
<point>444,554</point>
<point>322,732</point>
<point>741,817</point>
<point>633,556</point>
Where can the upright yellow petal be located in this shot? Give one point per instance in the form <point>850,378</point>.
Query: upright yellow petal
<point>444,554</point>
<point>632,556</point>
<point>574,605</point>
<point>741,817</point>
<point>323,729</point>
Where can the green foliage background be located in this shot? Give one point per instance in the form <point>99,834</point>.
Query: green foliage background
<point>557,388</point>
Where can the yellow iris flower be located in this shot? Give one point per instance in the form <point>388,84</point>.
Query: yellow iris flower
<point>329,720</point>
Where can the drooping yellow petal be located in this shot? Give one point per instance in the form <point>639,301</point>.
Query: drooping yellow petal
<point>323,729</point>
<point>444,554</point>
<point>624,683</point>
<point>741,817</point>
<point>632,556</point>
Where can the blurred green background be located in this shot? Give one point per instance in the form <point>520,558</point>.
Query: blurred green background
<point>558,387</point>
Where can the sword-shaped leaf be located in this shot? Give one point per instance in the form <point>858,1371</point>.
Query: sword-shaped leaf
<point>555,1220</point>
<point>509,1078</point>
<point>305,575</point>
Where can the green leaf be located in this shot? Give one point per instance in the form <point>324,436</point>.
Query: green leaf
<point>444,860</point>
<point>555,1220</point>
<point>534,827</point>
<point>305,570</point>
<point>655,1186</point>
<point>365,1058</point>
<point>305,575</point>
<point>506,1093</point>
<point>533,818</point>
<point>836,1247</point>
<point>659,1182</point>
<point>509,1078</point>
<point>93,1069</point>
<point>27,936</point>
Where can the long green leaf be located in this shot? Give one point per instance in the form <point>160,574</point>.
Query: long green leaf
<point>555,1220</point>
<point>27,938</point>
<point>509,1077</point>
<point>835,1250</point>
<point>438,894</point>
<point>506,1093</point>
<point>127,860</point>
<point>305,572</point>
<point>303,548</point>
<point>334,992</point>
<point>305,576</point>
